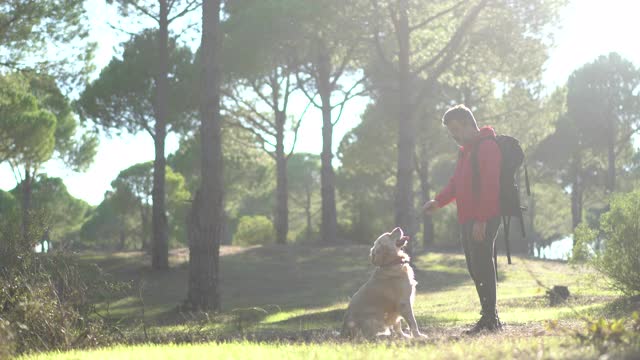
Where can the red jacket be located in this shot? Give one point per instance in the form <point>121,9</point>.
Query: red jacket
<point>486,204</point>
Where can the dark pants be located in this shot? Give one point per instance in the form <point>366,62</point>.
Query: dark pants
<point>479,256</point>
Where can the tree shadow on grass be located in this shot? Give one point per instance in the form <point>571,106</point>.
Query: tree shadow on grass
<point>309,276</point>
<point>334,316</point>
<point>433,280</point>
<point>330,320</point>
<point>289,276</point>
<point>452,260</point>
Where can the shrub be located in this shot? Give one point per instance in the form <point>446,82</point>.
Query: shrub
<point>619,255</point>
<point>46,307</point>
<point>254,230</point>
<point>303,236</point>
<point>617,338</point>
<point>43,298</point>
<point>584,237</point>
<point>6,340</point>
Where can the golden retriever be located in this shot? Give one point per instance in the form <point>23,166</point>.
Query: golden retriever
<point>379,305</point>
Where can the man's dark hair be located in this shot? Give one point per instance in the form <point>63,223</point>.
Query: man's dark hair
<point>459,113</point>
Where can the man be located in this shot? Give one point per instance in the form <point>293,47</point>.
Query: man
<point>478,202</point>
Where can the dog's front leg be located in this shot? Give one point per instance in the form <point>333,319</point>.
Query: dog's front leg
<point>406,311</point>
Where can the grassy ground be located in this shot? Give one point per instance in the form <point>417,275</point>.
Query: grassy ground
<point>478,348</point>
<point>293,297</point>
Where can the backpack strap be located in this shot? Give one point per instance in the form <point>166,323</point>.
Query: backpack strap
<point>506,224</point>
<point>526,179</point>
<point>506,221</point>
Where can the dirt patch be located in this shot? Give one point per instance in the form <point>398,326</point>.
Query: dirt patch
<point>177,256</point>
<point>436,335</point>
<point>527,330</point>
<point>181,255</point>
<point>542,301</point>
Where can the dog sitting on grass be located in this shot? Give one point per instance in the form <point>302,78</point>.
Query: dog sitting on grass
<point>379,305</point>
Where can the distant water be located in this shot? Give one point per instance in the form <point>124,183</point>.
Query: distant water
<point>558,250</point>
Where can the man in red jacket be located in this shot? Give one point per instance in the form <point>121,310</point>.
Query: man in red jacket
<point>478,202</point>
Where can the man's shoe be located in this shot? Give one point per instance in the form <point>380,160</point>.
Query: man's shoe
<point>494,324</point>
<point>478,327</point>
<point>487,322</point>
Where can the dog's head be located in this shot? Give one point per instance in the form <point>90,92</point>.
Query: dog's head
<point>388,248</point>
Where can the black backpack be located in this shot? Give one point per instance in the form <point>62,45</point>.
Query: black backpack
<point>512,160</point>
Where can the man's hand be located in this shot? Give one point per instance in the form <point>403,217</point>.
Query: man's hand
<point>479,228</point>
<point>430,207</point>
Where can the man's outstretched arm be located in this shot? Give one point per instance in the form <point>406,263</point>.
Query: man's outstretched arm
<point>447,195</point>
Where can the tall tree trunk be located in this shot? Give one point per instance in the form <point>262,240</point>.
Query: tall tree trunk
<point>205,219</point>
<point>327,175</point>
<point>225,236</point>
<point>27,182</point>
<point>576,190</point>
<point>427,220</point>
<point>358,219</point>
<point>282,192</point>
<point>611,147</point>
<point>160,244</point>
<point>580,195</point>
<point>404,201</point>
<point>144,220</point>
<point>307,211</point>
<point>121,233</point>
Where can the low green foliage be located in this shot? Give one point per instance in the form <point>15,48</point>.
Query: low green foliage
<point>605,334</point>
<point>620,256</point>
<point>7,345</point>
<point>584,236</point>
<point>618,252</point>
<point>254,230</point>
<point>45,298</point>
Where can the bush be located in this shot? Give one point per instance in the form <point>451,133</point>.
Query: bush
<point>584,237</point>
<point>619,256</point>
<point>47,308</point>
<point>43,298</point>
<point>254,230</point>
<point>6,340</point>
<point>302,235</point>
<point>617,338</point>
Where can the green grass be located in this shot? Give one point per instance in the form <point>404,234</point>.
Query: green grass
<point>478,348</point>
<point>290,295</point>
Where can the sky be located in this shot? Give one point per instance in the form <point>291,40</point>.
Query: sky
<point>589,28</point>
